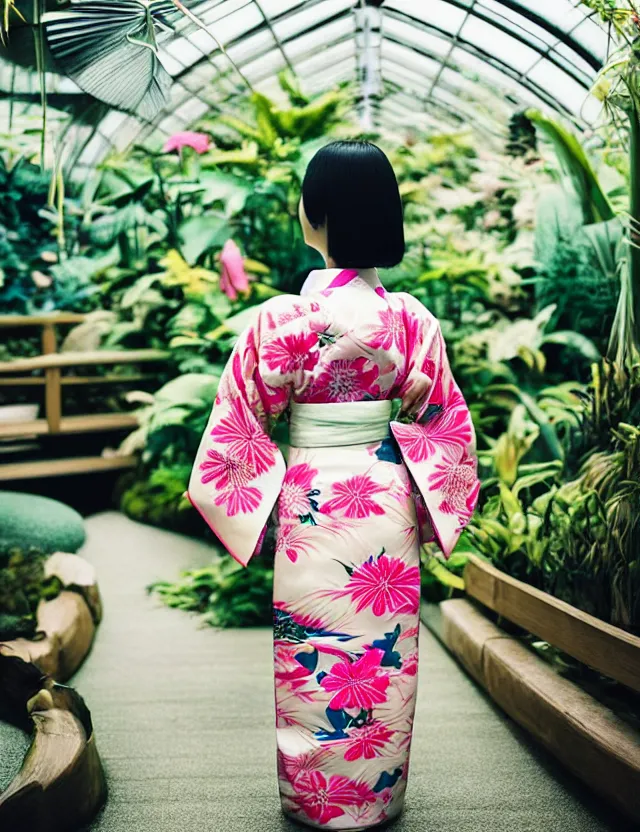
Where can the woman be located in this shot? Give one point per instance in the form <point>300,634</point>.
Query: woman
<point>359,494</point>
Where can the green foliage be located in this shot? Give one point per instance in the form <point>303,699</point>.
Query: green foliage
<point>225,594</point>
<point>160,501</point>
<point>22,587</point>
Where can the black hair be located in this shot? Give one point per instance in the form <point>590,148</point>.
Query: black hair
<point>351,186</point>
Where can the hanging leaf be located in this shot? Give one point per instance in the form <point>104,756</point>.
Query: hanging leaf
<point>110,50</point>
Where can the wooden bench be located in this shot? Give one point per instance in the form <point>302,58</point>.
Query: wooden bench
<point>19,372</point>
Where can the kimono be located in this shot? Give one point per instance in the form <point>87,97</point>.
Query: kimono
<point>359,494</point>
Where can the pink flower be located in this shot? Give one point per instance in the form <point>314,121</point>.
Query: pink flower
<point>368,741</point>
<point>385,584</point>
<point>199,142</point>
<point>231,475</point>
<point>322,799</point>
<point>245,437</point>
<point>388,332</point>
<point>358,684</point>
<point>456,478</point>
<point>346,380</point>
<point>353,496</point>
<point>227,471</point>
<point>290,766</point>
<point>292,353</point>
<point>421,441</point>
<point>233,278</point>
<point>291,539</point>
<point>294,495</point>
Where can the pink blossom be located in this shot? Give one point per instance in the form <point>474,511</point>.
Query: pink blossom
<point>455,477</point>
<point>245,437</point>
<point>421,441</point>
<point>233,278</point>
<point>290,766</point>
<point>346,380</point>
<point>292,353</point>
<point>385,584</point>
<point>354,497</point>
<point>292,539</point>
<point>294,495</point>
<point>199,142</point>
<point>368,741</point>
<point>359,684</point>
<point>231,475</point>
<point>389,331</point>
<point>322,799</point>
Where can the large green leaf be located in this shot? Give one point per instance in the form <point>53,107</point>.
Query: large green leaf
<point>199,234</point>
<point>231,190</point>
<point>576,165</point>
<point>110,50</point>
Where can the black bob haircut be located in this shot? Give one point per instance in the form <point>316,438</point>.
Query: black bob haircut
<point>351,186</point>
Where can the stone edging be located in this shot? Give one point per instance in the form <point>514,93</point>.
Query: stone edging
<point>61,784</point>
<point>583,734</point>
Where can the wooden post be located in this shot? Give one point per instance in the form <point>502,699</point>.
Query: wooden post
<point>53,392</point>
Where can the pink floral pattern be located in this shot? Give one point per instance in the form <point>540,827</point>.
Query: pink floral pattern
<point>350,522</point>
<point>358,684</point>
<point>385,585</point>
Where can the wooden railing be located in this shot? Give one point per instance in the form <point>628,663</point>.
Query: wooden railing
<point>51,363</point>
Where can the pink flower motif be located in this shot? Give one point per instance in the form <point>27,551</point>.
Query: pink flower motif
<point>421,441</point>
<point>346,380</point>
<point>290,766</point>
<point>246,438</point>
<point>294,495</point>
<point>368,741</point>
<point>233,278</point>
<point>354,497</point>
<point>385,584</point>
<point>322,799</point>
<point>389,331</point>
<point>358,684</point>
<point>456,478</point>
<point>239,500</point>
<point>292,353</point>
<point>199,142</point>
<point>291,539</point>
<point>231,475</point>
<point>228,471</point>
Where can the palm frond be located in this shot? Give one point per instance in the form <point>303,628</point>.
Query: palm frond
<point>110,49</point>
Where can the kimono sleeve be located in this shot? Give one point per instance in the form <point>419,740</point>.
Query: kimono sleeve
<point>439,445</point>
<point>238,471</point>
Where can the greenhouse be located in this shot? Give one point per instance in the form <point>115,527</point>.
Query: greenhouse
<point>319,374</point>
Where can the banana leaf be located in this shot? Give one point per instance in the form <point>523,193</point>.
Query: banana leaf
<point>110,50</point>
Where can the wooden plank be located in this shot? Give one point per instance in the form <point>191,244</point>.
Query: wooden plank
<point>585,735</point>
<point>70,424</point>
<point>81,359</point>
<point>608,649</point>
<point>63,467</point>
<point>41,320</point>
<point>22,381</point>
<point>53,399</point>
<point>111,378</point>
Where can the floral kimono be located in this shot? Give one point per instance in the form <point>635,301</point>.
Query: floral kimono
<point>359,493</point>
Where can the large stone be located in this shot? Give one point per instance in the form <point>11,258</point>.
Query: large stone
<point>27,520</point>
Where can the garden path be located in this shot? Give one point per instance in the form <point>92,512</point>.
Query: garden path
<point>184,720</point>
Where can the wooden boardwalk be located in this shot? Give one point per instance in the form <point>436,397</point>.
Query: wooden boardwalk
<point>184,720</point>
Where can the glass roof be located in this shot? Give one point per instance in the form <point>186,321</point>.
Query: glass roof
<point>430,63</point>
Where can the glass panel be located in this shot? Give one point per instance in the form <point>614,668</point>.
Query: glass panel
<point>304,45</point>
<point>293,24</point>
<point>438,12</point>
<point>489,39</point>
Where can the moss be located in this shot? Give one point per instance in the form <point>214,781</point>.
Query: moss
<point>22,586</point>
<point>27,520</point>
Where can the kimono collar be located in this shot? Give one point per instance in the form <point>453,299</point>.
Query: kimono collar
<point>325,281</point>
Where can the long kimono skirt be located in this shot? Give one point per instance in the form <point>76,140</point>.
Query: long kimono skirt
<point>346,618</point>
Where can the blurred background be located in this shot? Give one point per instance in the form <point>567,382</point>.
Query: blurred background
<point>151,158</point>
